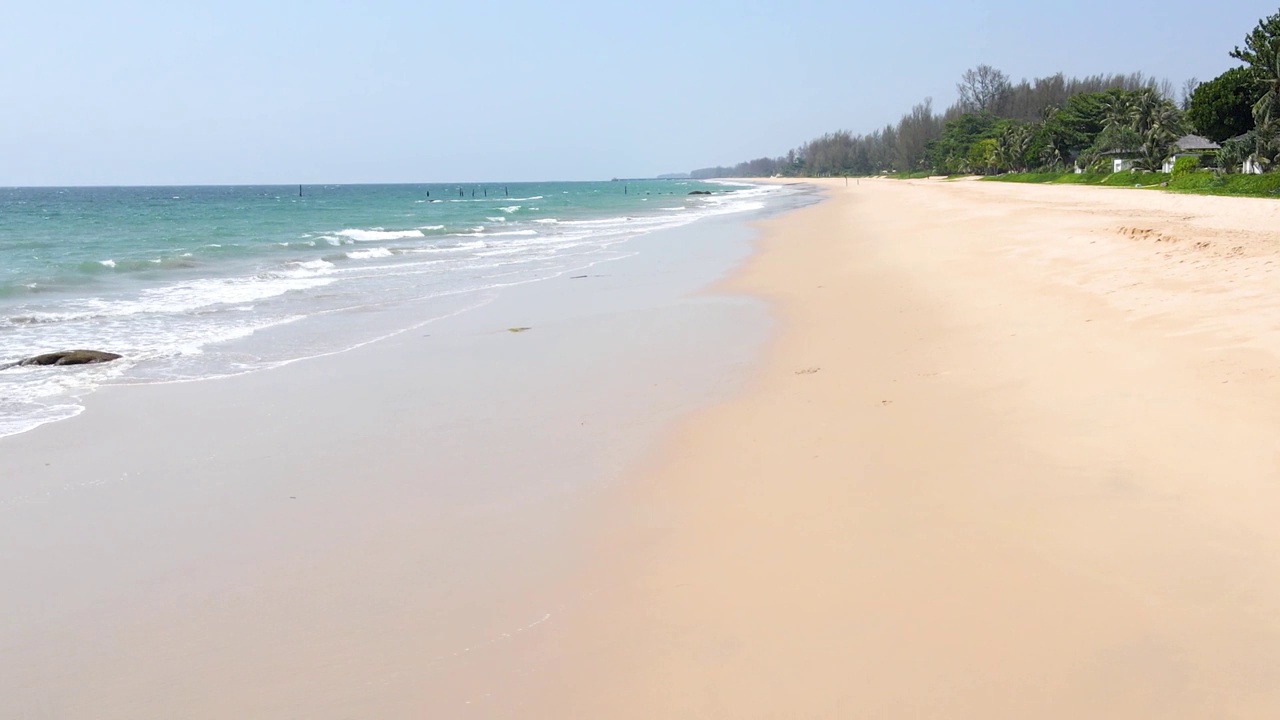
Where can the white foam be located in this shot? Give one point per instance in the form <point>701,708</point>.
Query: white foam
<point>369,254</point>
<point>378,234</point>
<point>313,265</point>
<point>107,263</point>
<point>509,209</point>
<point>430,227</point>
<point>180,298</point>
<point>450,248</point>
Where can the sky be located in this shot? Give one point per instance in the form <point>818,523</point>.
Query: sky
<point>174,92</point>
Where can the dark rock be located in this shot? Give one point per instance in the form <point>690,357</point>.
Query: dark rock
<point>699,192</point>
<point>66,357</point>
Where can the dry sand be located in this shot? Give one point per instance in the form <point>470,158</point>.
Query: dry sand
<point>1015,454</point>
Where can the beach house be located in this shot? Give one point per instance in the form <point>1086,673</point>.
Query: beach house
<point>1189,146</point>
<point>1121,160</point>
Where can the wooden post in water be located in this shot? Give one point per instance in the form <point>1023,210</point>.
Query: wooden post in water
<point>505,190</point>
<point>486,192</point>
<point>299,191</point>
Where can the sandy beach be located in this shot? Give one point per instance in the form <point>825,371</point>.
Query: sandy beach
<point>1009,452</point>
<point>1012,455</point>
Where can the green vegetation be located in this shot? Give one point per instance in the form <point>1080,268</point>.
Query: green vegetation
<point>1201,182</point>
<point>1185,165</point>
<point>1049,127</point>
<point>1223,107</point>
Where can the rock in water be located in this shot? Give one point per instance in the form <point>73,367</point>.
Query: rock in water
<point>67,357</point>
<point>700,192</point>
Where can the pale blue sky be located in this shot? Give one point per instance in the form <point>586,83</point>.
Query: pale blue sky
<point>385,91</point>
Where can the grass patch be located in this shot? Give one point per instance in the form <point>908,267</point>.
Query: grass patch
<point>1200,183</point>
<point>1207,183</point>
<point>1135,179</point>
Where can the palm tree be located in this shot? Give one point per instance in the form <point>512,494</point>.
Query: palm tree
<point>1145,106</point>
<point>1116,111</point>
<point>1011,147</point>
<point>1267,109</point>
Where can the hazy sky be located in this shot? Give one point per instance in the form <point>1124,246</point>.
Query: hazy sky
<point>303,92</point>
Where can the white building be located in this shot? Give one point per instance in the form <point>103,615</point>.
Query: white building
<point>1189,146</point>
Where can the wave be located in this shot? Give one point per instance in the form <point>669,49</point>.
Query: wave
<point>457,247</point>
<point>378,234</point>
<point>185,260</point>
<point>181,298</point>
<point>369,254</point>
<point>312,265</point>
<point>482,233</point>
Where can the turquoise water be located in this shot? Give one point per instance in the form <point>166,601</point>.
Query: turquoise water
<point>197,282</point>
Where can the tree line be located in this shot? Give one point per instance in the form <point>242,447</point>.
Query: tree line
<point>1056,123</point>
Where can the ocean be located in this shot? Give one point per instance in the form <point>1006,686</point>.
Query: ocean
<point>190,283</point>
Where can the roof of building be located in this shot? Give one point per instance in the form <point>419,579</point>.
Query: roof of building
<point>1196,142</point>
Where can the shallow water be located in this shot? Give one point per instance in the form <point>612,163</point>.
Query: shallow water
<point>197,282</point>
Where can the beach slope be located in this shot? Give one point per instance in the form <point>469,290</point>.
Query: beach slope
<point>1014,454</point>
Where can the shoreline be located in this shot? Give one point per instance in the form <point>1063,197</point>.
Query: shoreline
<point>379,531</point>
<point>285,284</point>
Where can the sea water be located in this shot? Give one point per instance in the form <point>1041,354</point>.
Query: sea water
<point>189,283</point>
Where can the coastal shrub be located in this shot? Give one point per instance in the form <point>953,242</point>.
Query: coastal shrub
<point>1194,182</point>
<point>1200,183</point>
<point>1186,165</point>
<point>1267,185</point>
